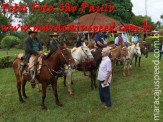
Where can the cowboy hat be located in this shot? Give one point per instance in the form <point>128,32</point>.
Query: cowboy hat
<point>32,30</point>
<point>54,34</point>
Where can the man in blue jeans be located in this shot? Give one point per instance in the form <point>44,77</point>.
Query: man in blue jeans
<point>104,77</point>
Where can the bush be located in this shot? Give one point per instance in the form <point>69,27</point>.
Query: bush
<point>152,39</point>
<point>4,61</point>
<point>9,42</point>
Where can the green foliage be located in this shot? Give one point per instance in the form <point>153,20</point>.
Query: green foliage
<point>46,51</point>
<point>138,20</point>
<point>3,21</point>
<point>152,39</point>
<point>4,61</point>
<point>9,41</point>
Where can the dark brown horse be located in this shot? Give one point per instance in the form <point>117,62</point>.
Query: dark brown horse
<point>144,50</point>
<point>48,74</point>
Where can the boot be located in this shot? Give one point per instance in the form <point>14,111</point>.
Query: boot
<point>32,81</point>
<point>84,68</point>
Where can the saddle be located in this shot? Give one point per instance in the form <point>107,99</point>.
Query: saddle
<point>25,70</point>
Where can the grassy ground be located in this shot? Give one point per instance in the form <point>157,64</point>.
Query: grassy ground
<point>132,99</point>
<point>10,52</point>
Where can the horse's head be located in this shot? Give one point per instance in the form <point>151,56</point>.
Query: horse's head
<point>144,50</point>
<point>66,57</point>
<point>137,50</point>
<point>124,52</point>
<point>86,53</point>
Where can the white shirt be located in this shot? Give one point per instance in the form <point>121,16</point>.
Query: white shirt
<point>116,40</point>
<point>105,67</point>
<point>125,37</point>
<point>134,39</point>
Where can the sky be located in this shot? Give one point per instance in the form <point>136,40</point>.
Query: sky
<point>154,9</point>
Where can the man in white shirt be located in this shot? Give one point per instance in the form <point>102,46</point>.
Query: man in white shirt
<point>125,39</point>
<point>134,39</point>
<point>104,77</point>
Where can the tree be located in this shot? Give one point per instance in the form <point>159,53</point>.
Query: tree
<point>138,20</point>
<point>161,18</point>
<point>3,21</point>
<point>9,42</point>
<point>158,24</point>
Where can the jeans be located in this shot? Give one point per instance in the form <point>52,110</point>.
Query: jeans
<point>104,94</point>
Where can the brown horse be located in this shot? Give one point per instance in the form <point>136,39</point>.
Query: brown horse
<point>48,73</point>
<point>118,54</point>
<point>144,50</point>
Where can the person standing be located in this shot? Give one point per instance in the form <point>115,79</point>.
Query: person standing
<point>33,49</point>
<point>161,50</point>
<point>104,77</point>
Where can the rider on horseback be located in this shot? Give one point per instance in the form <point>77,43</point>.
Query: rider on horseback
<point>79,43</point>
<point>33,49</point>
<point>118,40</point>
<point>55,43</point>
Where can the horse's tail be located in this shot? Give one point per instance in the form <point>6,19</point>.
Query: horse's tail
<point>16,68</point>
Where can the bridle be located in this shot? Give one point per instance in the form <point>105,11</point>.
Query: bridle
<point>61,70</point>
<point>85,52</point>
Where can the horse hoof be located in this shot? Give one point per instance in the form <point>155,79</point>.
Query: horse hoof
<point>128,74</point>
<point>38,90</point>
<point>22,101</point>
<point>26,97</point>
<point>44,108</point>
<point>71,93</point>
<point>59,104</point>
<point>49,89</point>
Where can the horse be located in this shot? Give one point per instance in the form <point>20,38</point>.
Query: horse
<point>48,74</point>
<point>144,50</point>
<point>77,54</point>
<point>118,54</point>
<point>92,69</point>
<point>132,50</point>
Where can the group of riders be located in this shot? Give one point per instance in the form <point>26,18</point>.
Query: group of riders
<point>34,49</point>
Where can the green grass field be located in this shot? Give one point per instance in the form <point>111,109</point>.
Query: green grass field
<point>132,99</point>
<point>10,52</point>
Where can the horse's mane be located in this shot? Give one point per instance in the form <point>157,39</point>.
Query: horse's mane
<point>73,50</point>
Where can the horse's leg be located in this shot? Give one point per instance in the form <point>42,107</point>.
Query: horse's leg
<point>64,82</point>
<point>38,87</point>
<point>43,96</point>
<point>54,86</point>
<point>113,74</point>
<point>124,71</point>
<point>19,88</point>
<point>23,88</point>
<point>94,79</point>
<point>135,60</point>
<point>69,77</point>
<point>91,76</point>
<point>128,71</point>
<point>139,61</point>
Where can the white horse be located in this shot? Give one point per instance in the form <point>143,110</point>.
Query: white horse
<point>78,54</point>
<point>132,50</point>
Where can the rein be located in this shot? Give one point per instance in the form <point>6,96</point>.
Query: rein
<point>59,72</point>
